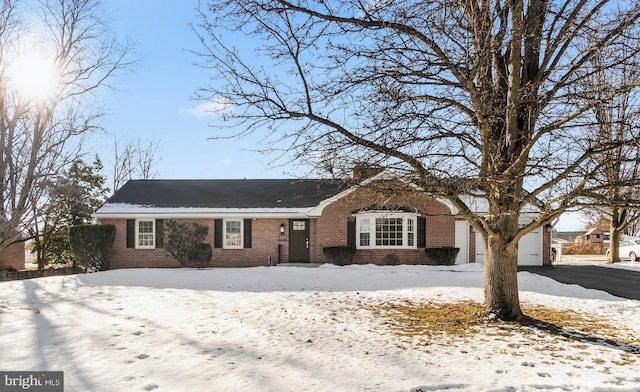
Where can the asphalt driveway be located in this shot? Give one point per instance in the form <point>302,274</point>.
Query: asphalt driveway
<point>618,282</point>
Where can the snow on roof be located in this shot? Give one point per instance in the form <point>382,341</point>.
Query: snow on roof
<point>260,197</point>
<point>124,210</point>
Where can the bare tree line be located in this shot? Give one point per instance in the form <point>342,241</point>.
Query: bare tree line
<point>132,160</point>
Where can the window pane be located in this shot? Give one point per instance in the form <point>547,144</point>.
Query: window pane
<point>411,237</point>
<point>233,233</point>
<point>145,234</point>
<point>365,229</point>
<point>145,227</point>
<point>299,225</point>
<point>389,231</point>
<point>364,225</point>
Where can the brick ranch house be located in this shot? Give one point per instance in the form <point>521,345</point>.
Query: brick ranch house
<point>266,222</point>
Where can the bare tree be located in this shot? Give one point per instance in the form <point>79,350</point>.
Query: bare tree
<point>67,49</point>
<point>472,98</point>
<point>133,159</point>
<point>633,229</point>
<point>616,119</point>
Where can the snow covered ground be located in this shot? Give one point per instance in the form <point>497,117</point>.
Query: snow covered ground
<point>300,329</point>
<point>599,261</point>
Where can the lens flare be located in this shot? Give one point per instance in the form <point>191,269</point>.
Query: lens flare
<point>33,76</point>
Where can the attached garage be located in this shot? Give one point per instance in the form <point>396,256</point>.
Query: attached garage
<point>534,249</point>
<point>529,249</point>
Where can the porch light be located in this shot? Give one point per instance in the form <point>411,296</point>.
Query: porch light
<point>282,228</point>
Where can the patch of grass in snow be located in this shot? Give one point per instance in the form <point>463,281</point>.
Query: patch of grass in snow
<point>578,327</point>
<point>428,319</point>
<point>432,322</point>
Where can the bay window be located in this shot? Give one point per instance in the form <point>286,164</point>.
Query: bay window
<point>385,230</point>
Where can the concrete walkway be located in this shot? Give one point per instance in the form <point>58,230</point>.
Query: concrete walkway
<point>618,282</point>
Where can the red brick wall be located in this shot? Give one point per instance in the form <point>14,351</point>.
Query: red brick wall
<point>472,246</point>
<point>390,256</point>
<point>331,227</point>
<point>124,257</point>
<point>264,247</point>
<point>546,246</point>
<point>265,238</point>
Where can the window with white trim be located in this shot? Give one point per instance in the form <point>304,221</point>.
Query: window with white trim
<point>384,229</point>
<point>145,234</point>
<point>411,232</point>
<point>365,232</point>
<point>232,234</point>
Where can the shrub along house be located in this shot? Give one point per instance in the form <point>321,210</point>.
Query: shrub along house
<point>266,222</point>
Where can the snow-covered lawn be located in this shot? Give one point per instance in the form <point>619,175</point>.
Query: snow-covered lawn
<point>302,329</point>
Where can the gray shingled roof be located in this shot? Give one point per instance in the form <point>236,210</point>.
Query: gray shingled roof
<point>281,193</point>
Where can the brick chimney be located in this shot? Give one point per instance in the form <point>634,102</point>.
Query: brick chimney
<point>362,171</point>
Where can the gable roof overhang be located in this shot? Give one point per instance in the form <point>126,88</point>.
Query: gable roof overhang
<point>279,198</point>
<point>383,175</point>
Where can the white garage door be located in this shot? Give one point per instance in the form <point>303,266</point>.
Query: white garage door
<point>462,242</point>
<point>529,249</point>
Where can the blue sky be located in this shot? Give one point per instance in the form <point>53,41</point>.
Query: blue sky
<point>152,102</point>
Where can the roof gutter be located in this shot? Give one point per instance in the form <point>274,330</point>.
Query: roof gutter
<point>171,213</point>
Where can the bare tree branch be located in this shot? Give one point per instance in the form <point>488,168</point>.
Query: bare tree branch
<point>41,135</point>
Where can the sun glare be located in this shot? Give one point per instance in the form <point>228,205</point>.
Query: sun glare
<point>34,77</point>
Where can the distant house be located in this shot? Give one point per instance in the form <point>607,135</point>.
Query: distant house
<point>13,256</point>
<point>592,236</point>
<point>565,237</point>
<point>265,222</point>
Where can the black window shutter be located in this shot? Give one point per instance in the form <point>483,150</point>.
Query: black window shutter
<point>422,232</point>
<point>217,233</point>
<point>247,233</point>
<point>351,231</point>
<point>159,233</point>
<point>131,233</point>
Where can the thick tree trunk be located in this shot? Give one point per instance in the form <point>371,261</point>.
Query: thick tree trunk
<point>501,279</point>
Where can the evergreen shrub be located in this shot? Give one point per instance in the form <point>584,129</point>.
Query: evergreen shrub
<point>444,255</point>
<point>340,255</point>
<point>200,254</point>
<point>92,245</point>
